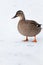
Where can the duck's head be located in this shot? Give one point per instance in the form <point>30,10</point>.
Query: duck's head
<point>19,14</point>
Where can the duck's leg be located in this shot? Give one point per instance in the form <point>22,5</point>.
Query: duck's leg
<point>34,39</point>
<point>26,39</point>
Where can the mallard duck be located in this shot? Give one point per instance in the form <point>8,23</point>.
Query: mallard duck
<point>28,28</point>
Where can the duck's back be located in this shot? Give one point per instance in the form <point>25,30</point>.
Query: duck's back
<point>28,27</point>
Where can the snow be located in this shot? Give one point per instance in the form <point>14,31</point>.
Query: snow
<point>16,52</point>
<point>13,51</point>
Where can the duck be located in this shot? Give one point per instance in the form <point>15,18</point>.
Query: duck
<point>28,28</point>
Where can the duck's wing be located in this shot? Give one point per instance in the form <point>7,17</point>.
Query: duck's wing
<point>35,23</point>
<point>32,22</point>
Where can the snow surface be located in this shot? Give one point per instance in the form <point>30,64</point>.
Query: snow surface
<point>13,51</point>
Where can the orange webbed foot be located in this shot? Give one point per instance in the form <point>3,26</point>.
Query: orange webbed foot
<point>34,39</point>
<point>26,39</point>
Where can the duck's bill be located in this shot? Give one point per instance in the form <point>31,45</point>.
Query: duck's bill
<point>14,17</point>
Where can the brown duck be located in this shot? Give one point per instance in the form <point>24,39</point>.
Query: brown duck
<point>28,28</point>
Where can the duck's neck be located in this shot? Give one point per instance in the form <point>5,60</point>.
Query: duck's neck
<point>22,17</point>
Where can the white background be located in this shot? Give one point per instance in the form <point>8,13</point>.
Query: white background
<point>13,51</point>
